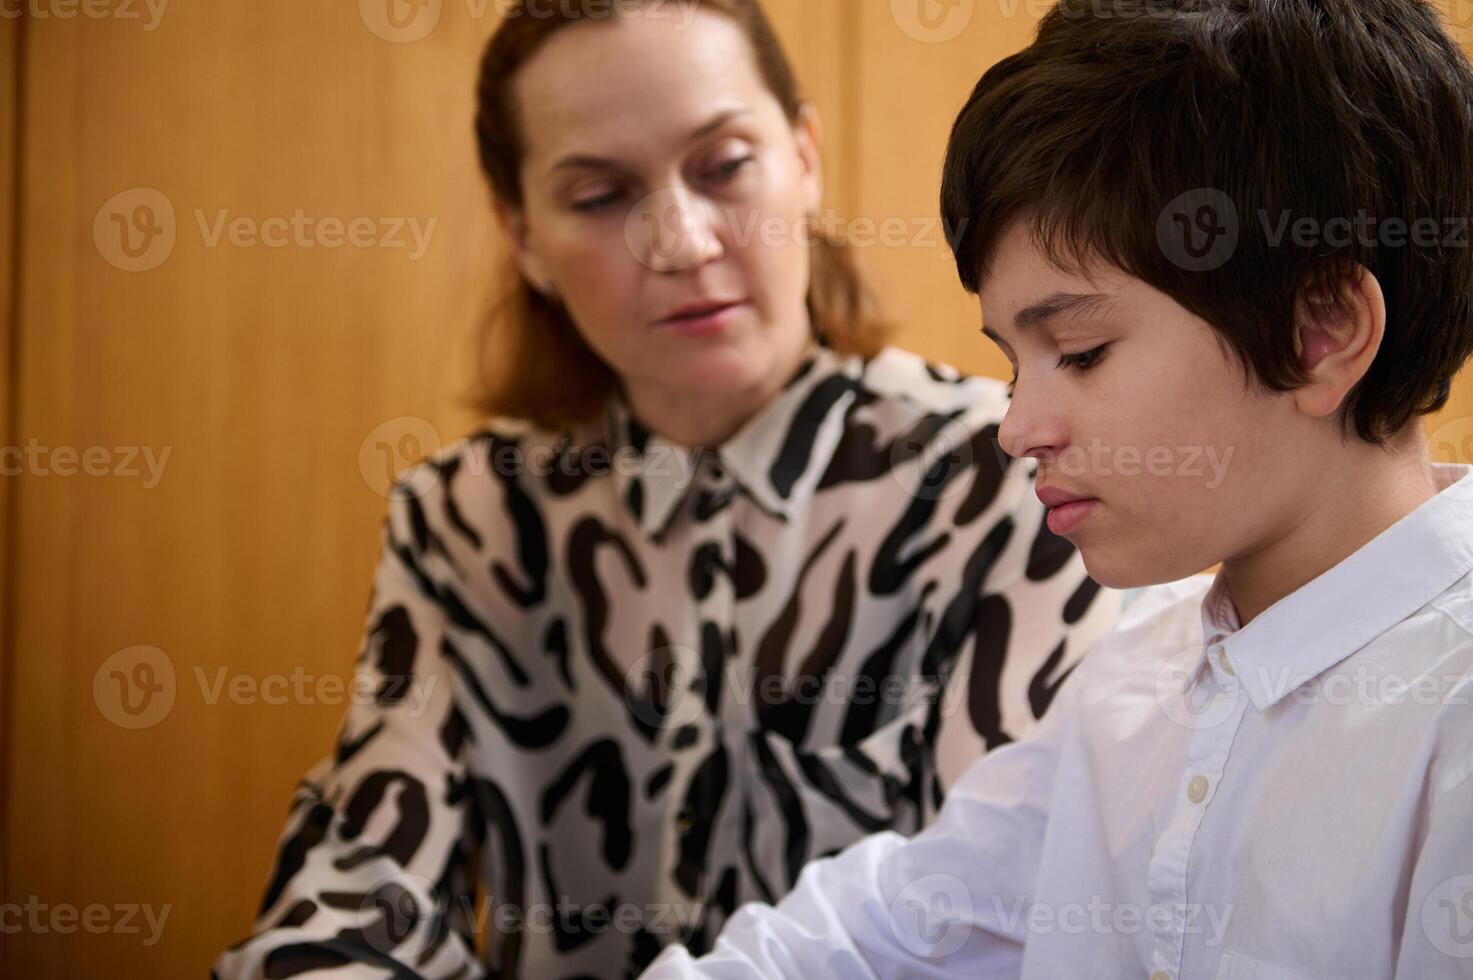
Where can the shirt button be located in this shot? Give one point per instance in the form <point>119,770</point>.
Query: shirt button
<point>1160,975</point>
<point>1197,789</point>
<point>1227,666</point>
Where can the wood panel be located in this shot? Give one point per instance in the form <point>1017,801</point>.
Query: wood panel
<point>267,383</point>
<point>10,46</point>
<point>254,374</point>
<point>1451,430</point>
<point>818,37</point>
<point>914,77</point>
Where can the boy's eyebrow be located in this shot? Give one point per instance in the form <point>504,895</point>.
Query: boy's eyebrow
<point>585,161</point>
<point>1071,305</point>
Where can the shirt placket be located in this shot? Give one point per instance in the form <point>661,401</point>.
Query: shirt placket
<point>711,555</point>
<point>1215,729</point>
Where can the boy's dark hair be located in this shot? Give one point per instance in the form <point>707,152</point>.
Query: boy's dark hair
<point>1131,129</point>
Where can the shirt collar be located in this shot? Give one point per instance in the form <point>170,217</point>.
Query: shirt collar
<point>1311,630</point>
<point>777,457</point>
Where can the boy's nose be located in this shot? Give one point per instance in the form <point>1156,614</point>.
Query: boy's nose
<point>1029,431</point>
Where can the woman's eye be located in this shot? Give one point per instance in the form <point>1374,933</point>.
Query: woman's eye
<point>1084,361</point>
<point>729,169</point>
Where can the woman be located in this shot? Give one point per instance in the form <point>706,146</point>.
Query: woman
<point>680,618</point>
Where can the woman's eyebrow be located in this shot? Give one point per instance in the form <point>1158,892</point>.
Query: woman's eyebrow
<point>585,161</point>
<point>717,121</point>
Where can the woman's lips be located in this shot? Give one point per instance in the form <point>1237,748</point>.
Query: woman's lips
<point>707,322</point>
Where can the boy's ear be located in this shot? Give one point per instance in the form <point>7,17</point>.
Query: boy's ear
<point>513,222</point>
<point>1335,347</point>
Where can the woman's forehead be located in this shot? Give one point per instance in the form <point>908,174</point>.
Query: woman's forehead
<point>630,82</point>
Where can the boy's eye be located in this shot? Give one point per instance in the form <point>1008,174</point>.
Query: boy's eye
<point>594,203</point>
<point>1084,361</point>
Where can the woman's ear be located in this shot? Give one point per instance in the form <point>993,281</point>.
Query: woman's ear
<point>808,133</point>
<point>513,222</point>
<point>1336,346</point>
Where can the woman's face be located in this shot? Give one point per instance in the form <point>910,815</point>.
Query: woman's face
<point>665,194</point>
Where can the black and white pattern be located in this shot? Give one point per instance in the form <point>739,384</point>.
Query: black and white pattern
<point>621,687</point>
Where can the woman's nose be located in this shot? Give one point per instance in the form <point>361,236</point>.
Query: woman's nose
<point>672,230</point>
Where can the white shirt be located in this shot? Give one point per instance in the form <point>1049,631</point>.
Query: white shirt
<point>1290,799</point>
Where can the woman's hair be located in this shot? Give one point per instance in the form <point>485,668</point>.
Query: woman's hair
<point>531,361</point>
<point>1220,151</point>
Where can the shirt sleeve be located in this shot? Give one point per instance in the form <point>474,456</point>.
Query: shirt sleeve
<point>1037,612</point>
<point>1437,935</point>
<point>371,869</point>
<point>950,902</point>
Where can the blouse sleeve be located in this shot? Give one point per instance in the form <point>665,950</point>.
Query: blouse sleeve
<point>372,873</point>
<point>938,905</point>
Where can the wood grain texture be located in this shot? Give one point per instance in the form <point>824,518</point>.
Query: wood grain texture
<point>10,41</point>
<point>261,371</point>
<point>283,383</point>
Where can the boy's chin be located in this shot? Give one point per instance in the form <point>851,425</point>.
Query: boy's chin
<point>1115,571</point>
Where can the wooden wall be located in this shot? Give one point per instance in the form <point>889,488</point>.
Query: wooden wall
<point>240,406</point>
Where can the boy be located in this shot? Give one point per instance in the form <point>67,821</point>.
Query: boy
<point>1223,244</point>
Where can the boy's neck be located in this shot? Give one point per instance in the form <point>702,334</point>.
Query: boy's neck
<point>1375,489</point>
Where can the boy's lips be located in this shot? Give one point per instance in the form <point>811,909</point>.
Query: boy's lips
<point>1058,497</point>
<point>1067,510</point>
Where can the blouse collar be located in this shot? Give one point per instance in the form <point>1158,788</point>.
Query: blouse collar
<point>776,458</point>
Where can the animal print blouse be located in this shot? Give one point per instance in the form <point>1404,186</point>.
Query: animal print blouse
<point>622,687</point>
